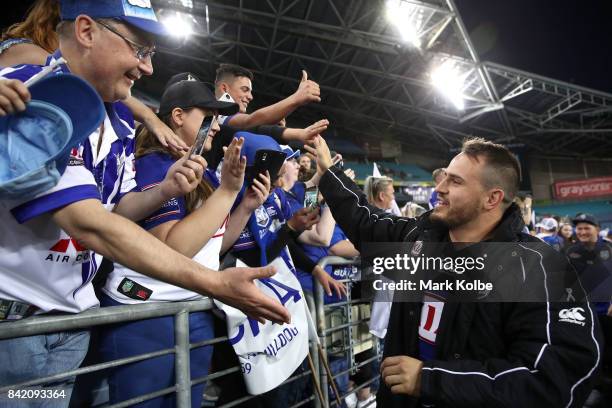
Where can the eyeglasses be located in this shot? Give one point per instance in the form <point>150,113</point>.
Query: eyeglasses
<point>142,51</point>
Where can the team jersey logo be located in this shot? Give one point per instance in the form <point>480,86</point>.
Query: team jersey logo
<point>573,315</point>
<point>262,217</point>
<point>604,255</point>
<point>59,252</point>
<point>76,157</point>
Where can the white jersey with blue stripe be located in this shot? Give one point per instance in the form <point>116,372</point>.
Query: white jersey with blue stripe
<point>39,263</point>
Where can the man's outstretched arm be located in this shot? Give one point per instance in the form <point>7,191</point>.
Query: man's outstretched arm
<point>123,241</point>
<point>307,92</point>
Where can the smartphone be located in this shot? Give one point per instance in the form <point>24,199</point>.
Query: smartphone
<point>198,145</point>
<point>310,197</point>
<point>270,160</point>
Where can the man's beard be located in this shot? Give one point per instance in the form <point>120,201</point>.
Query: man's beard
<point>455,217</point>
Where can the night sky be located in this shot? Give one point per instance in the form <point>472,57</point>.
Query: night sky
<point>570,40</point>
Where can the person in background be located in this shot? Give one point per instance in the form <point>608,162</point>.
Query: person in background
<point>566,232</point>
<point>233,83</point>
<point>592,258</point>
<point>379,191</point>
<point>34,39</point>
<point>305,162</point>
<point>548,233</point>
<point>437,175</point>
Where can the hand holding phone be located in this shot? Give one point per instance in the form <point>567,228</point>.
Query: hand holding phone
<point>200,140</point>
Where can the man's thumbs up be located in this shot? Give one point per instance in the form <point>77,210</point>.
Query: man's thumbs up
<point>308,91</point>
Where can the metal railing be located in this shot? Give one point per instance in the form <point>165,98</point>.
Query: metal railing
<point>38,325</point>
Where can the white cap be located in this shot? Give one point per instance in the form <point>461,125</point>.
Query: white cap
<point>549,224</point>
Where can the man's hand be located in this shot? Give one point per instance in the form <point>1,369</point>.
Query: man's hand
<point>259,191</point>
<point>234,165</point>
<point>13,96</point>
<point>308,91</point>
<point>402,374</point>
<point>238,290</point>
<point>328,282</point>
<point>610,310</point>
<point>183,176</point>
<point>307,134</point>
<point>165,135</point>
<point>318,148</point>
<point>304,219</point>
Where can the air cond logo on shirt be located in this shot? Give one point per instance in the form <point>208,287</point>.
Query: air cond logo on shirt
<point>59,252</point>
<point>76,157</point>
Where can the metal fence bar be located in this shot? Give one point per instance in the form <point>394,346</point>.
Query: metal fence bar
<point>87,370</point>
<point>320,321</point>
<point>95,317</point>
<point>182,371</point>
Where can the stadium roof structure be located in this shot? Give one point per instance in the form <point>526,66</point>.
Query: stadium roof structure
<point>377,85</point>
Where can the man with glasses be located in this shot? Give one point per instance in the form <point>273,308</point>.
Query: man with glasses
<point>69,219</point>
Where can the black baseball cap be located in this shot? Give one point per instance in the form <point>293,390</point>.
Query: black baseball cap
<point>192,93</point>
<point>583,217</point>
<point>182,76</point>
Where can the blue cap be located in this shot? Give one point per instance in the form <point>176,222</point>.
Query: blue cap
<point>138,13</point>
<point>291,154</point>
<point>35,144</point>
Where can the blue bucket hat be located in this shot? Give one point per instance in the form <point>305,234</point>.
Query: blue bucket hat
<point>35,144</point>
<point>138,13</point>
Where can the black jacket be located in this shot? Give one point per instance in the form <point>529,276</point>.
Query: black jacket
<point>487,354</point>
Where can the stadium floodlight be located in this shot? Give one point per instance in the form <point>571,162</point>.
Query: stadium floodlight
<point>178,25</point>
<point>407,18</point>
<point>449,80</point>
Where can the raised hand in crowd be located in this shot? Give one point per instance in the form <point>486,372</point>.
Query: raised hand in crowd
<point>318,148</point>
<point>258,193</point>
<point>304,219</point>
<point>308,91</point>
<point>306,134</point>
<point>328,282</point>
<point>13,96</point>
<point>234,165</point>
<point>183,176</point>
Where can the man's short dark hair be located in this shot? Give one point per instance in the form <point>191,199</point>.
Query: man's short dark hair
<point>227,72</point>
<point>504,170</point>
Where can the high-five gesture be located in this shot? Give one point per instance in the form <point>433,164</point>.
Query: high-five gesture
<point>318,148</point>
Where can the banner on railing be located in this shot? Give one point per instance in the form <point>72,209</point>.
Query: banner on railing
<point>269,353</point>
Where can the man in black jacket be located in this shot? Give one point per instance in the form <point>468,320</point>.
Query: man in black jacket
<point>538,354</point>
